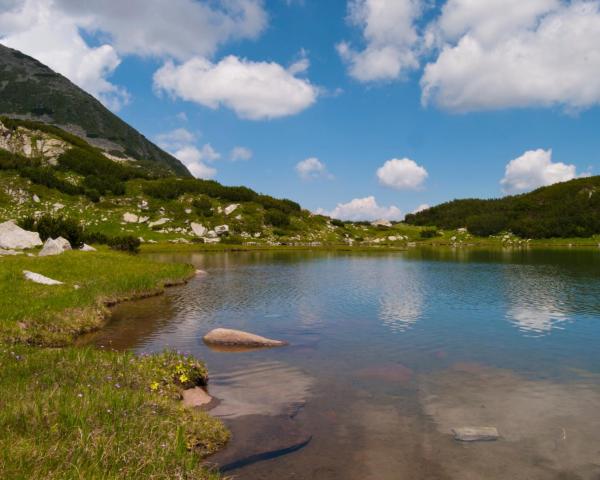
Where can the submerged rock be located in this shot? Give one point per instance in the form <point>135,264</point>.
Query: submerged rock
<point>475,434</point>
<point>37,278</point>
<point>230,337</point>
<point>14,237</point>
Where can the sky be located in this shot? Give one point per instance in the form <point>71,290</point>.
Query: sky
<point>361,109</point>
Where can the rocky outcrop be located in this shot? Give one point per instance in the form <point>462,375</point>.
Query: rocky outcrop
<point>54,247</point>
<point>37,278</point>
<point>239,338</point>
<point>14,237</point>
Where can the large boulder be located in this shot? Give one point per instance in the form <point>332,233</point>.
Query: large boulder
<point>130,217</point>
<point>238,338</point>
<point>54,247</point>
<point>198,229</point>
<point>230,208</point>
<point>14,237</point>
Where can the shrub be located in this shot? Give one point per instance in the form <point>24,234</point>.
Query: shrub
<point>277,218</point>
<point>203,206</point>
<point>125,243</point>
<point>429,233</point>
<point>53,227</point>
<point>337,223</point>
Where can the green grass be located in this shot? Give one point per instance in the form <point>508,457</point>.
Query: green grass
<point>82,413</point>
<point>55,315</point>
<point>85,413</point>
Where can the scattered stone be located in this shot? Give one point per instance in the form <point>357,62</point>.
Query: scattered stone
<point>475,434</point>
<point>221,229</point>
<point>231,208</point>
<point>188,211</point>
<point>37,278</point>
<point>130,218</point>
<point>58,206</point>
<point>211,239</point>
<point>195,397</point>
<point>198,229</point>
<point>14,237</point>
<point>211,234</point>
<point>230,337</point>
<point>36,199</point>
<point>87,248</point>
<point>143,219</point>
<point>54,247</point>
<point>159,222</point>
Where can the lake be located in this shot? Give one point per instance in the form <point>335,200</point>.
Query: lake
<point>388,353</point>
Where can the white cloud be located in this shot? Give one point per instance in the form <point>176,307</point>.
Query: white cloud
<point>402,174</point>
<point>240,153</point>
<point>535,169</point>
<point>254,90</point>
<point>363,209</point>
<point>391,39</point>
<point>35,28</point>
<point>513,53</point>
<point>312,168</point>
<point>421,208</point>
<point>50,31</point>
<point>181,143</point>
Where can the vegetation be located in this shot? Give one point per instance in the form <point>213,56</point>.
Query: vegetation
<point>568,209</point>
<point>53,227</point>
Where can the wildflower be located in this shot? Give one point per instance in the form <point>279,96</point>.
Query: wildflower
<point>183,378</point>
<point>154,386</point>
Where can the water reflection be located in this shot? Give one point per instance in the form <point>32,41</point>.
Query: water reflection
<point>401,303</point>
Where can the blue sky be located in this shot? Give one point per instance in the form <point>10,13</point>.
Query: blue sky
<point>342,83</point>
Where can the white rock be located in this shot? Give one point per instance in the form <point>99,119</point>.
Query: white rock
<point>36,199</point>
<point>188,210</point>
<point>230,208</point>
<point>227,336</point>
<point>54,247</point>
<point>143,219</point>
<point>14,237</point>
<point>475,434</point>
<point>87,248</point>
<point>159,222</point>
<point>37,278</point>
<point>211,239</point>
<point>198,229</point>
<point>130,218</point>
<point>58,206</point>
<point>382,223</point>
<point>211,234</point>
<point>9,252</point>
<point>238,216</point>
<point>221,229</point>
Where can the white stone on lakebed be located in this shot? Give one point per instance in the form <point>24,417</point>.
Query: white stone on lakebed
<point>37,278</point>
<point>239,338</point>
<point>475,434</point>
<point>14,237</point>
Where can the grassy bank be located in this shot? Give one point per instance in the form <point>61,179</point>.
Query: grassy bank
<point>85,413</point>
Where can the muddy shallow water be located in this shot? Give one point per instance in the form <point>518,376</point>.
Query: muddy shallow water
<point>388,353</point>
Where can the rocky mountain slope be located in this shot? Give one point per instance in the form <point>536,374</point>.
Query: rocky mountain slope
<point>31,90</point>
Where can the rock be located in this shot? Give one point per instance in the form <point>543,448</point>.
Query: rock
<point>221,229</point>
<point>201,272</point>
<point>14,237</point>
<point>58,206</point>
<point>130,218</point>
<point>159,222</point>
<point>230,337</point>
<point>87,248</point>
<point>143,219</point>
<point>211,239</point>
<point>231,208</point>
<point>195,397</point>
<point>188,211</point>
<point>37,278</point>
<point>54,247</point>
<point>198,229</point>
<point>381,223</point>
<point>36,199</point>
<point>9,252</point>
<point>475,434</point>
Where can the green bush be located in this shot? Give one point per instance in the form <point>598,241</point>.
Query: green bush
<point>429,233</point>
<point>276,218</point>
<point>337,223</point>
<point>53,227</point>
<point>125,243</point>
<point>203,206</point>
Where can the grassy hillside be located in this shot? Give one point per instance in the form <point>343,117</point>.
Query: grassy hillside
<point>568,209</point>
<point>30,90</point>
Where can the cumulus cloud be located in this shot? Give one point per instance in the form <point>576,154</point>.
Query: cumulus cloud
<point>402,174</point>
<point>181,143</point>
<point>421,208</point>
<point>51,31</point>
<point>535,169</point>
<point>509,53</point>
<point>312,168</point>
<point>240,153</point>
<point>35,28</point>
<point>254,90</point>
<point>390,36</point>
<point>363,209</point>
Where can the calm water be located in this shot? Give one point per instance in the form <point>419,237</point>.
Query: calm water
<point>388,353</point>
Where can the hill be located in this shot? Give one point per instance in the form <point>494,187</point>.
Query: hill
<point>31,90</point>
<point>567,209</point>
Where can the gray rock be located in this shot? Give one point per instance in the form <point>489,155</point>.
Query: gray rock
<point>230,208</point>
<point>37,278</point>
<point>87,248</point>
<point>195,397</point>
<point>54,247</point>
<point>14,237</point>
<point>130,218</point>
<point>198,229</point>
<point>475,434</point>
<point>159,222</point>
<point>9,252</point>
<point>221,229</point>
<point>238,338</point>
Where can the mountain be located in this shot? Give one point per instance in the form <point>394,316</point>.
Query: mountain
<point>31,90</point>
<point>567,209</point>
